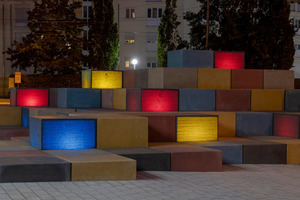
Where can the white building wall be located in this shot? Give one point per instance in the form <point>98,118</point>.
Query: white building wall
<point>295,15</point>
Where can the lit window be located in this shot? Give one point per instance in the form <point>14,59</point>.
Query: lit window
<point>154,12</point>
<point>129,41</point>
<point>130,14</point>
<point>129,38</point>
<point>127,63</point>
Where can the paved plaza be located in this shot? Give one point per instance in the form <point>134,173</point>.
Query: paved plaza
<point>235,182</point>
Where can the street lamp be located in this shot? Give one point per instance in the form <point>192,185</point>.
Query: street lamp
<point>134,62</point>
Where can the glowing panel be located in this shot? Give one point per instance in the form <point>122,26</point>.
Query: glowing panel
<point>59,134</point>
<point>106,79</point>
<point>191,129</point>
<point>32,97</point>
<point>286,125</point>
<point>160,100</point>
<point>25,117</point>
<point>229,60</point>
<point>86,77</point>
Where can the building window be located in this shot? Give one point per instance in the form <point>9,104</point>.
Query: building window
<point>129,38</point>
<point>297,46</point>
<point>21,17</point>
<point>85,37</point>
<point>130,14</point>
<point>151,65</point>
<point>296,23</point>
<point>87,12</point>
<point>151,42</point>
<point>151,62</point>
<point>154,12</point>
<point>128,63</point>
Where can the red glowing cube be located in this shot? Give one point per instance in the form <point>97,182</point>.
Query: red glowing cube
<point>160,100</point>
<point>286,125</point>
<point>229,60</point>
<point>32,97</point>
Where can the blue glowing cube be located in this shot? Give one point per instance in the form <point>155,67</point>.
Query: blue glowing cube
<point>62,133</point>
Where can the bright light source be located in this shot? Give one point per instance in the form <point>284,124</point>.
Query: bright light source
<point>134,61</point>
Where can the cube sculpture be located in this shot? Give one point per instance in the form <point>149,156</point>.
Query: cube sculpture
<point>197,100</point>
<point>95,165</point>
<point>29,97</point>
<point>192,158</point>
<point>118,131</point>
<point>78,98</point>
<point>286,125</point>
<point>133,99</point>
<point>197,128</point>
<point>214,78</point>
<point>129,79</point>
<point>101,79</point>
<point>10,116</point>
<point>119,99</point>
<point>293,150</point>
<point>233,100</point>
<point>227,123</point>
<point>267,100</point>
<point>229,60</point>
<point>177,78</point>
<point>107,98</point>
<point>231,153</point>
<point>254,124</point>
<point>160,100</point>
<point>28,112</point>
<point>166,78</point>
<point>147,159</point>
<point>279,79</point>
<point>190,59</point>
<point>121,131</point>
<point>32,166</point>
<point>291,100</point>
<point>59,133</point>
<point>149,78</point>
<point>247,79</point>
<point>262,152</point>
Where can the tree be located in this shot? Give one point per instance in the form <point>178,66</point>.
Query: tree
<point>168,36</point>
<point>54,45</point>
<point>104,39</point>
<point>197,22</point>
<point>260,28</point>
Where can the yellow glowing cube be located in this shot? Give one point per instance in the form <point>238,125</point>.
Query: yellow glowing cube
<point>11,82</point>
<point>86,76</point>
<point>106,79</point>
<point>197,128</point>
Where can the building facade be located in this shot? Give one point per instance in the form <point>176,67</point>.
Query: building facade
<point>295,16</point>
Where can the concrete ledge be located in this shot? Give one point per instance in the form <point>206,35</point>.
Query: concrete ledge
<point>186,158</point>
<point>147,159</point>
<point>96,165</point>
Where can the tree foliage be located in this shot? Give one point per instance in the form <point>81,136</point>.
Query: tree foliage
<point>54,44</point>
<point>168,36</point>
<point>260,28</point>
<point>197,23</point>
<point>104,39</point>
